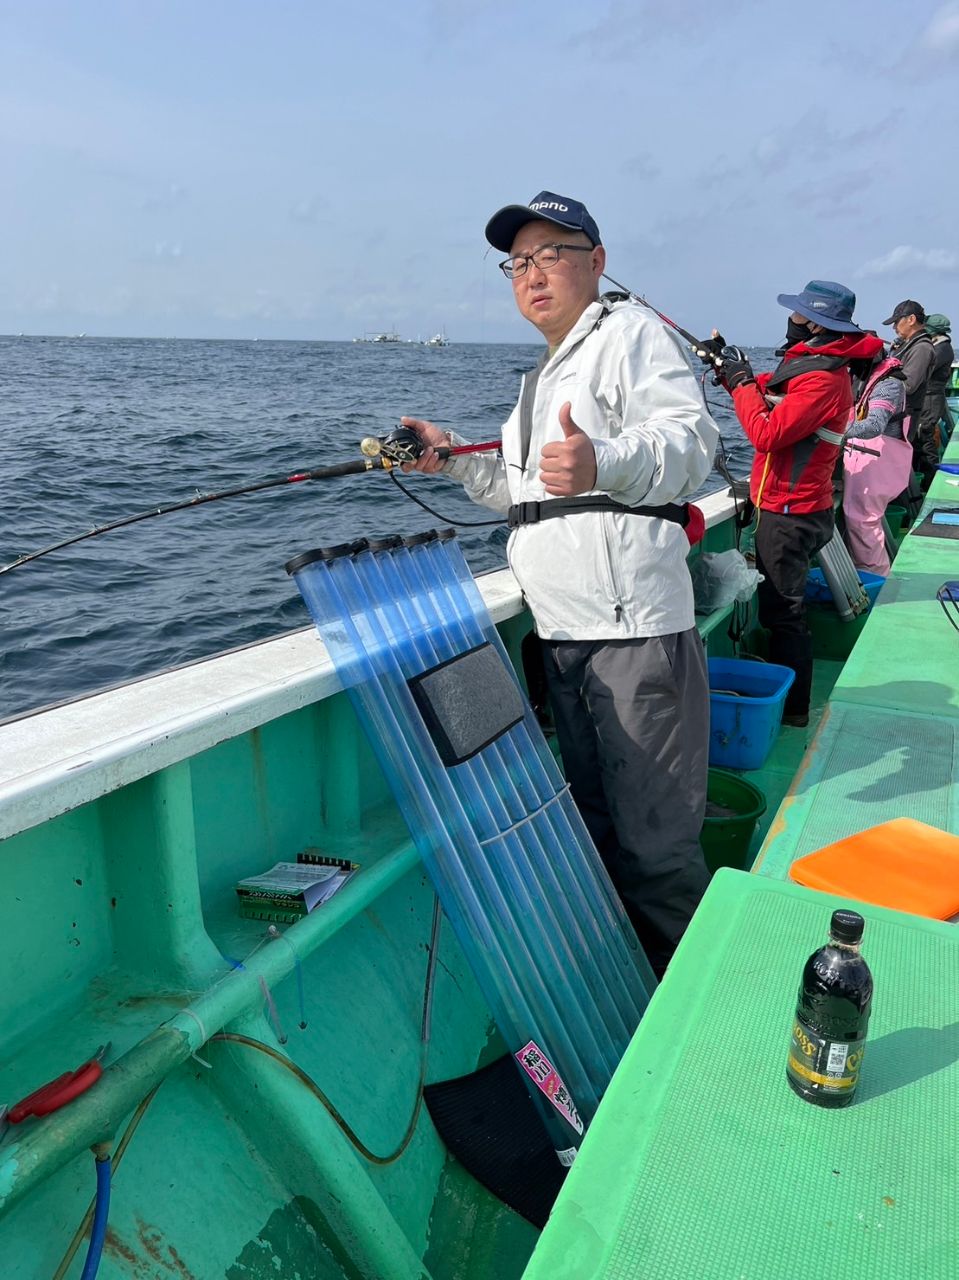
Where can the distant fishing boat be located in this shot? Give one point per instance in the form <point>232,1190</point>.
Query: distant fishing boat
<point>391,336</point>
<point>437,340</point>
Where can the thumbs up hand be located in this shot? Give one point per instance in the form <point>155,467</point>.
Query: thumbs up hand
<point>568,466</point>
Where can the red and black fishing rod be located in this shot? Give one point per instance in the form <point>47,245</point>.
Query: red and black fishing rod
<point>381,453</point>
<point>699,347</point>
<point>709,354</point>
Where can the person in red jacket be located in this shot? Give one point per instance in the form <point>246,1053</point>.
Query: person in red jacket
<point>795,418</point>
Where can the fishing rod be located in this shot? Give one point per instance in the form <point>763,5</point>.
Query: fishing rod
<point>708,354</point>
<point>380,453</point>
<point>699,348</point>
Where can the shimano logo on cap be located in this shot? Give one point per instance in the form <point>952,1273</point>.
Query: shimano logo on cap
<point>820,306</point>
<point>551,204</point>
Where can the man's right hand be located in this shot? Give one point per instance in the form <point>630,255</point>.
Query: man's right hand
<point>433,438</point>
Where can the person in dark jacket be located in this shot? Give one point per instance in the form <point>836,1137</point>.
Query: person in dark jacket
<point>913,349</point>
<point>935,410</point>
<point>795,418</point>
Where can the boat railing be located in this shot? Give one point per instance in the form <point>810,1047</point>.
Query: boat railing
<point>57,759</point>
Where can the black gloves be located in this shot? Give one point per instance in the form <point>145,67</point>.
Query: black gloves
<point>734,369</point>
<point>730,365</point>
<point>711,350</point>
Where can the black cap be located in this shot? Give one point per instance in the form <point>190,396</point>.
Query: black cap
<point>562,211</point>
<point>907,308</point>
<point>847,926</point>
<point>324,553</point>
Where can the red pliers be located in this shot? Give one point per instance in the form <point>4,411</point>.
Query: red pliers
<point>57,1093</point>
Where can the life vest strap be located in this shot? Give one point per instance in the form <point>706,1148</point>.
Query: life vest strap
<point>533,512</point>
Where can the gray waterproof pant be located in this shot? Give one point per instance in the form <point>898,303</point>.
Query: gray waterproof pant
<point>632,718</point>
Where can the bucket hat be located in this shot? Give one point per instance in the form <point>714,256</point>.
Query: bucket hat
<point>824,302</point>
<point>938,323</point>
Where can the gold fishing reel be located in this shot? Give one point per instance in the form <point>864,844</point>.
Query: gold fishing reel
<point>401,445</point>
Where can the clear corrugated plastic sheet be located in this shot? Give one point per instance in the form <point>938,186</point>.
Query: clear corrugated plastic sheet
<point>500,837</point>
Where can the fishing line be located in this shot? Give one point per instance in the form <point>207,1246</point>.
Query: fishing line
<point>380,454</point>
<point>273,1013</point>
<point>439,514</point>
<point>699,348</point>
<point>274,932</point>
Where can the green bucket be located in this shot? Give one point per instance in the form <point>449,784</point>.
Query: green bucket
<point>896,515</point>
<point>832,638</point>
<point>725,839</point>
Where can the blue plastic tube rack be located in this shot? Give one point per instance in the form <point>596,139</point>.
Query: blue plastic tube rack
<point>500,837</point>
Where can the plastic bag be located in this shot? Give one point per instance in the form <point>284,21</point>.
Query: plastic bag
<point>720,578</point>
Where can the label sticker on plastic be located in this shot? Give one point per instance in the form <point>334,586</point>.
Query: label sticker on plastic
<point>836,1062</point>
<point>540,1070</point>
<point>831,1065</point>
<point>567,1157</point>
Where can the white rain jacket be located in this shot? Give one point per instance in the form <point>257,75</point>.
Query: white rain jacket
<point>605,575</point>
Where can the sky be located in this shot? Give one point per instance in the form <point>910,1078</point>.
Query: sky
<point>322,170</point>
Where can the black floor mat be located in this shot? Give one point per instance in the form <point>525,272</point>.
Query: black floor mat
<point>927,529</point>
<point>490,1124</point>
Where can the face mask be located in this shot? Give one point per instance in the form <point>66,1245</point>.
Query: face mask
<point>795,332</point>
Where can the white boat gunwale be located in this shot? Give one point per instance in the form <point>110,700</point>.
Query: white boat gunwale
<point>55,760</point>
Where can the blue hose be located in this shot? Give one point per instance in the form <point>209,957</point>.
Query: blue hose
<point>98,1232</point>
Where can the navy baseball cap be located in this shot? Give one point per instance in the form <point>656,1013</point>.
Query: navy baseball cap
<point>824,302</point>
<point>546,207</point>
<point>907,308</point>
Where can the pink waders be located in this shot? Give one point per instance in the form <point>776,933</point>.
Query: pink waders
<point>869,484</point>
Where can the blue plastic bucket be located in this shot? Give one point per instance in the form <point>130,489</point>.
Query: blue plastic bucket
<point>817,589</point>
<point>746,702</point>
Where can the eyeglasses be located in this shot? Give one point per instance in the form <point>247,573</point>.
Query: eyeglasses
<point>948,597</point>
<point>545,257</point>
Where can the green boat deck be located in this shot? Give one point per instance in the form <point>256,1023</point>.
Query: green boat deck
<point>701,1164</point>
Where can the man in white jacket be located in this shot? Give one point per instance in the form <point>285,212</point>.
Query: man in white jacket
<point>610,433</point>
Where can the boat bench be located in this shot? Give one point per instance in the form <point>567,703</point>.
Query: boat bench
<point>701,1162</point>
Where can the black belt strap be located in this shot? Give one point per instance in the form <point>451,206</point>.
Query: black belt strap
<point>534,512</point>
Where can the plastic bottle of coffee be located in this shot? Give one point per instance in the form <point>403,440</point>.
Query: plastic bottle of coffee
<point>832,1016</point>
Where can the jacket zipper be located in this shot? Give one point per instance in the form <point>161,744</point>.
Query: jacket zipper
<point>614,593</point>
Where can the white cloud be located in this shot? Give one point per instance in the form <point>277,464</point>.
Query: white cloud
<point>167,251</point>
<point>941,37</point>
<point>164,198</point>
<point>906,257</point>
<point>308,210</point>
<point>935,50</point>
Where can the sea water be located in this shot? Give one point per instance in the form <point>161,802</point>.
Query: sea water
<point>94,429</point>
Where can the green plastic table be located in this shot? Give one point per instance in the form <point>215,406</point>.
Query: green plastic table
<point>701,1164</point>
<point>907,658</point>
<point>866,764</point>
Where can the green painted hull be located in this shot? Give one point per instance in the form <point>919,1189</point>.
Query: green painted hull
<point>121,925</point>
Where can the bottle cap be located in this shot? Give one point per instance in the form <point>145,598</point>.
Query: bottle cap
<point>847,926</point>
